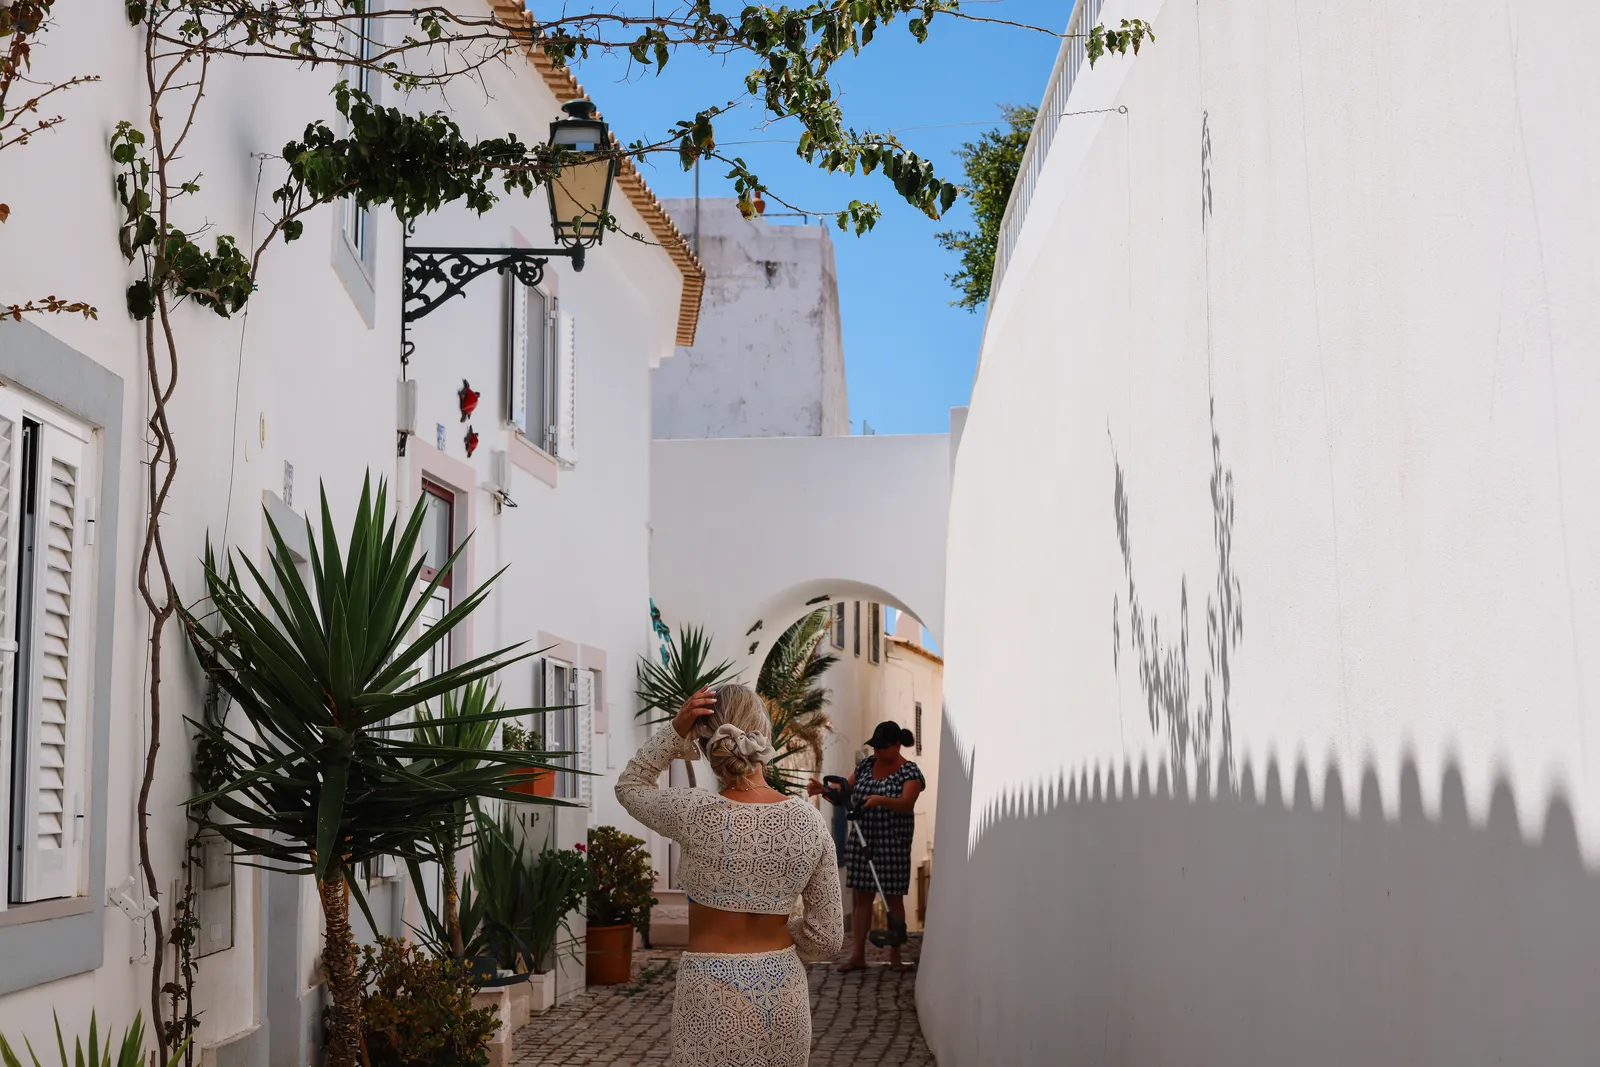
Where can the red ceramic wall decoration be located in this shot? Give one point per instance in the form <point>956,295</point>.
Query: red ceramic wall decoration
<point>471,440</point>
<point>469,401</point>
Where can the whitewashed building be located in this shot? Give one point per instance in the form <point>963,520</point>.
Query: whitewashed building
<point>301,391</point>
<point>1274,636</point>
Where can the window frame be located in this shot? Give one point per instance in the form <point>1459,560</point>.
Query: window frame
<point>53,939</point>
<point>517,360</point>
<point>858,629</point>
<point>836,625</point>
<point>355,256</point>
<point>874,632</point>
<point>916,728</point>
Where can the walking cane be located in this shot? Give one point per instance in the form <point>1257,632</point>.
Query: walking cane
<point>836,789</point>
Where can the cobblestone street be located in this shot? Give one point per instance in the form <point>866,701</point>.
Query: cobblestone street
<point>865,1018</point>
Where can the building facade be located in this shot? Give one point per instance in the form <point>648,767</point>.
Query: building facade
<point>768,358</point>
<point>304,393</point>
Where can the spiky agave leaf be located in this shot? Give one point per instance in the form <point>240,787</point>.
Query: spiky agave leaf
<point>331,768</point>
<point>662,688</point>
<point>129,1052</point>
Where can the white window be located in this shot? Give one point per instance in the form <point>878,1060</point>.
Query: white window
<point>529,374</point>
<point>46,616</point>
<point>354,221</point>
<point>569,728</point>
<point>437,542</point>
<point>541,372</point>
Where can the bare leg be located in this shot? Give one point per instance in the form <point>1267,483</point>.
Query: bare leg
<point>860,920</point>
<point>897,911</point>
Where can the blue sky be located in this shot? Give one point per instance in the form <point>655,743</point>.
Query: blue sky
<point>909,355</point>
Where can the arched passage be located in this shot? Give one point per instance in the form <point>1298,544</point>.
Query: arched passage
<point>747,533</point>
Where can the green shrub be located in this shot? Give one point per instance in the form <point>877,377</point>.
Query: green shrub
<point>620,879</point>
<point>416,1009</point>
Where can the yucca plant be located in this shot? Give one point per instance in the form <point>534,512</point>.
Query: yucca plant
<point>330,768</point>
<point>129,1052</point>
<point>469,721</point>
<point>662,688</point>
<point>790,684</point>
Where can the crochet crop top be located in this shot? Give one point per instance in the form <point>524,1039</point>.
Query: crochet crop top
<point>759,858</point>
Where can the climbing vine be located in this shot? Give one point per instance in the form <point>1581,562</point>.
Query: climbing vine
<point>415,163</point>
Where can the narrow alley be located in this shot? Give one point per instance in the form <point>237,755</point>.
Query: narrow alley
<point>862,1019</point>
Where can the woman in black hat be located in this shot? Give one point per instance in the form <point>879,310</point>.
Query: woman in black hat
<point>884,786</point>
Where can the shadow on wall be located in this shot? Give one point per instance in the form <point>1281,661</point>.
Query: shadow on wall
<point>1115,920</point>
<point>1199,733</point>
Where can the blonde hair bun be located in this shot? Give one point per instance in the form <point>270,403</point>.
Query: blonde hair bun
<point>736,738</point>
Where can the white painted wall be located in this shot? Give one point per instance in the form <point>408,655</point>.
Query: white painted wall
<point>304,379</point>
<point>1362,386</point>
<point>768,360</point>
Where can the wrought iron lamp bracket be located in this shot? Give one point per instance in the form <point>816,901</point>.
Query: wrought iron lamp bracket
<point>434,275</point>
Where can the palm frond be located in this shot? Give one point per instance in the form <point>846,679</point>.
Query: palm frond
<point>790,683</point>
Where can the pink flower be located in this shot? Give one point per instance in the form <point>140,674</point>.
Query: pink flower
<point>581,847</point>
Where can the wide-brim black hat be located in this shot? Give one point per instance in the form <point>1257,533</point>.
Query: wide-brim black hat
<point>889,732</point>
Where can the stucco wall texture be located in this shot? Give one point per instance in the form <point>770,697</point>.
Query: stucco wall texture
<point>1274,558</point>
<point>768,360</point>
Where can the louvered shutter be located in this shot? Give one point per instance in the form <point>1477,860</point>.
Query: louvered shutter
<point>517,355</point>
<point>566,429</point>
<point>585,702</point>
<point>57,729</point>
<point>10,546</point>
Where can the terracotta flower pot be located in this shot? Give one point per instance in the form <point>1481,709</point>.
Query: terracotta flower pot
<point>535,782</point>
<point>608,955</point>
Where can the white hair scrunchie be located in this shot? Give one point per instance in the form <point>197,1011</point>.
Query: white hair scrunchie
<point>750,746</point>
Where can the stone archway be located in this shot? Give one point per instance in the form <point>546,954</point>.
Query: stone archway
<point>747,533</point>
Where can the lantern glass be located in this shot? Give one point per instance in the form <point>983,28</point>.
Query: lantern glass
<point>581,193</point>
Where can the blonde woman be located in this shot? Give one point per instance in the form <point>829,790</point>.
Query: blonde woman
<point>750,855</point>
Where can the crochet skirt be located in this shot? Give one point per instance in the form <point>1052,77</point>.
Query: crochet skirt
<point>750,1009</point>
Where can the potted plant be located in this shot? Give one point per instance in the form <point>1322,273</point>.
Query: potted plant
<point>534,781</point>
<point>418,1009</point>
<point>558,886</point>
<point>620,880</point>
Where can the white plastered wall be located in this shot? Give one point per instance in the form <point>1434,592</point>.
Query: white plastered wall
<point>1391,305</point>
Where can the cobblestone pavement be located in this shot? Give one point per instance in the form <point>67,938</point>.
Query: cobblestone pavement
<point>862,1019</point>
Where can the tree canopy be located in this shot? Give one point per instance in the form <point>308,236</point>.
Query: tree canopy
<point>991,164</point>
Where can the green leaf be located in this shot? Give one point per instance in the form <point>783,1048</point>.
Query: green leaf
<point>141,300</point>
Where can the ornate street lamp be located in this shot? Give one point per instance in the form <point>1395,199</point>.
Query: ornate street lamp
<point>579,197</point>
<point>580,194</point>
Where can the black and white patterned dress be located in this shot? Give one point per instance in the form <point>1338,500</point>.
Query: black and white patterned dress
<point>888,833</point>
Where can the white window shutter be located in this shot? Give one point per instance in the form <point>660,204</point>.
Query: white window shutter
<point>57,731</point>
<point>585,702</point>
<point>517,355</point>
<point>10,533</point>
<point>566,386</point>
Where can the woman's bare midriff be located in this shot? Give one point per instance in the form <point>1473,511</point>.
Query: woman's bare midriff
<point>715,930</point>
